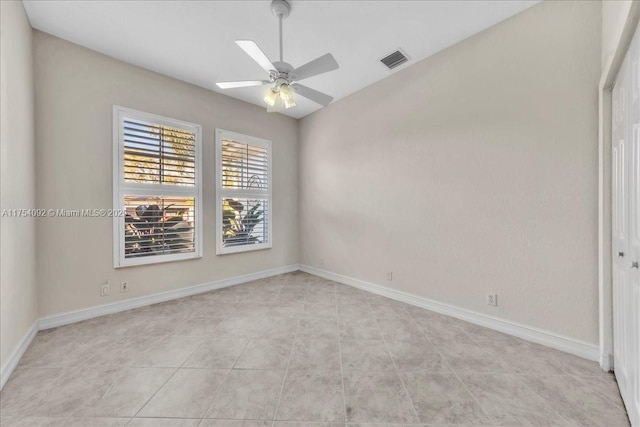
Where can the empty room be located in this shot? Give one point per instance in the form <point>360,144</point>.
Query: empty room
<point>319,213</point>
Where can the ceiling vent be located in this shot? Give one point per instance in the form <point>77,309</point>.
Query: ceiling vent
<point>394,59</point>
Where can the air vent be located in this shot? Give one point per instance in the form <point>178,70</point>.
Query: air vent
<point>394,59</point>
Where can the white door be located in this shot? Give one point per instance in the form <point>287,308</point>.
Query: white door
<point>633,129</point>
<point>626,229</point>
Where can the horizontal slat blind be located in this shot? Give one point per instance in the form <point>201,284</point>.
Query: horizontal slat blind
<point>159,225</point>
<point>243,192</point>
<point>157,183</point>
<point>155,154</point>
<point>244,166</point>
<point>245,221</point>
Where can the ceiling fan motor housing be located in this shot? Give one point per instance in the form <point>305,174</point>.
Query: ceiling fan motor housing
<point>280,8</point>
<point>284,71</point>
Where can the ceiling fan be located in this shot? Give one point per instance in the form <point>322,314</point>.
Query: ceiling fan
<point>281,74</point>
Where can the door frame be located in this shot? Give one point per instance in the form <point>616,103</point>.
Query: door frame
<point>605,280</point>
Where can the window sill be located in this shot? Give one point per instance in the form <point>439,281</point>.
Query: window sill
<point>242,248</point>
<point>135,262</point>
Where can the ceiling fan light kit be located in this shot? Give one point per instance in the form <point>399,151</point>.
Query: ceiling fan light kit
<point>281,74</point>
<point>279,98</point>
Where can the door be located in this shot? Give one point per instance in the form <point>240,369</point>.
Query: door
<point>626,229</point>
<point>633,128</point>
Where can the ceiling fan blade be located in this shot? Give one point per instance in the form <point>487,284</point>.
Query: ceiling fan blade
<point>244,83</point>
<point>312,94</point>
<point>256,54</point>
<point>319,65</point>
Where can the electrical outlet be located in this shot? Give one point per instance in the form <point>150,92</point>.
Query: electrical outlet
<point>124,287</point>
<point>492,299</point>
<point>390,276</point>
<point>105,288</point>
<point>321,261</point>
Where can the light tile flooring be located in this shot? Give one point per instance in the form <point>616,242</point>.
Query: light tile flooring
<point>298,350</point>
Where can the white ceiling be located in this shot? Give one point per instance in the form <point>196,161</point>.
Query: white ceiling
<point>193,41</point>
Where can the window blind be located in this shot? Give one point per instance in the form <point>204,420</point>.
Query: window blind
<point>157,182</point>
<point>159,225</point>
<point>244,221</point>
<point>244,166</point>
<point>155,154</point>
<point>244,192</point>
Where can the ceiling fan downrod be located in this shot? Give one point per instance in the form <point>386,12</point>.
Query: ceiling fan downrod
<point>281,9</point>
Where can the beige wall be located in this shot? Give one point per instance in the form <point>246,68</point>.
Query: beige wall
<point>18,308</point>
<point>75,91</point>
<point>473,171</point>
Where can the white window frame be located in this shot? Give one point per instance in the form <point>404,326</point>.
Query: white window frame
<point>222,193</point>
<point>121,188</point>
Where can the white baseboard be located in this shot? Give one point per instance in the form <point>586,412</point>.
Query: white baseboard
<point>606,362</point>
<point>116,307</point>
<point>529,333</point>
<point>14,359</point>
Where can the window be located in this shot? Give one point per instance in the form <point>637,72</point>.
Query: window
<point>157,185</point>
<point>243,196</point>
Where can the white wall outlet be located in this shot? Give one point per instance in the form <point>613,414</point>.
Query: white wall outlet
<point>492,299</point>
<point>321,261</point>
<point>390,276</point>
<point>105,288</point>
<point>124,287</point>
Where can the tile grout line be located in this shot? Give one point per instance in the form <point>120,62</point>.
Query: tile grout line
<point>215,398</point>
<point>435,346</point>
<point>397,371</point>
<point>286,372</point>
<point>171,376</point>
<point>241,353</point>
<point>344,394</point>
<point>156,392</point>
<point>202,341</point>
<point>275,412</point>
<point>566,420</point>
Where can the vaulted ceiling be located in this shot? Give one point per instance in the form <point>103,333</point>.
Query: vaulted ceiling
<point>194,40</point>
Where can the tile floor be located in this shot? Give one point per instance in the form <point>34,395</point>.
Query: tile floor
<point>298,350</point>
